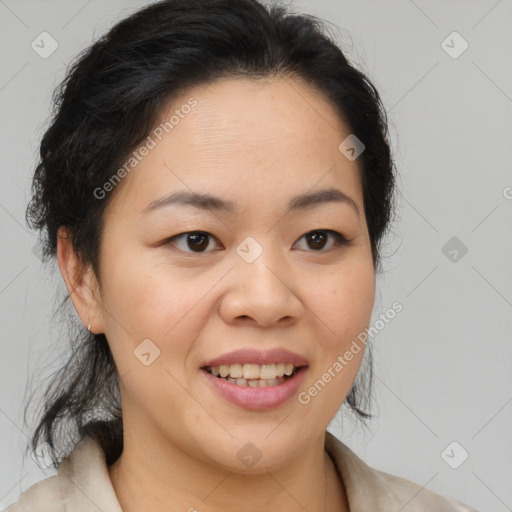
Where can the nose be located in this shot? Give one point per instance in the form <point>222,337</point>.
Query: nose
<point>261,292</point>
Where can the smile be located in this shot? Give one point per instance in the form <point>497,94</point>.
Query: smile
<point>258,393</point>
<point>254,375</point>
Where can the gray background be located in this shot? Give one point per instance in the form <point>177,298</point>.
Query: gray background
<point>443,365</point>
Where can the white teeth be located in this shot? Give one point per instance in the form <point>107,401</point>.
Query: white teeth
<point>235,370</point>
<point>250,371</point>
<point>256,383</point>
<point>288,368</point>
<point>268,371</point>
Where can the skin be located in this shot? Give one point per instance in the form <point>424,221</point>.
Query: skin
<point>257,143</point>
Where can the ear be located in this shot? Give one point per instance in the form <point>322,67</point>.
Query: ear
<point>80,281</point>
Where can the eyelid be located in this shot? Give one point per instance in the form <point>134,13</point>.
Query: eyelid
<point>169,240</point>
<point>340,240</point>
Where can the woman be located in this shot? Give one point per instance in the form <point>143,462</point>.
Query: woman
<point>214,186</point>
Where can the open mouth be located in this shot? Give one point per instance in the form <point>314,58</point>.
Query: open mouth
<point>254,375</point>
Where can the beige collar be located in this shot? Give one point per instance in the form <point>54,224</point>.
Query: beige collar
<point>83,484</point>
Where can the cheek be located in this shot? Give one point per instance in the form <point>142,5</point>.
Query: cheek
<point>342,301</point>
<point>144,300</point>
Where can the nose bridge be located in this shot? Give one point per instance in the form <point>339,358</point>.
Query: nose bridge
<point>260,288</point>
<point>259,265</point>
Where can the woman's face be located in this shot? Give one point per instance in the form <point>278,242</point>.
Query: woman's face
<point>256,280</point>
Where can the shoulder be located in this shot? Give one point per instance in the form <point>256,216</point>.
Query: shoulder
<point>418,498</point>
<point>82,484</point>
<point>371,489</point>
<point>43,496</point>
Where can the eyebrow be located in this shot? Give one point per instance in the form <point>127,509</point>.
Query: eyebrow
<point>209,202</point>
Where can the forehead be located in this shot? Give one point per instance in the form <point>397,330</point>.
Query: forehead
<point>247,140</point>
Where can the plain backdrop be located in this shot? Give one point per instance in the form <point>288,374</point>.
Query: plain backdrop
<point>442,366</point>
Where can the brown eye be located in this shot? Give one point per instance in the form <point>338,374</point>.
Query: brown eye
<point>318,239</point>
<point>195,241</point>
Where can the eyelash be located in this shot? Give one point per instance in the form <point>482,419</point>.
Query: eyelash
<point>340,240</point>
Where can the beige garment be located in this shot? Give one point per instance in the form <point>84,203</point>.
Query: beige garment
<point>82,484</point>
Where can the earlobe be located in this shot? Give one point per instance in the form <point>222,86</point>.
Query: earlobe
<point>80,282</point>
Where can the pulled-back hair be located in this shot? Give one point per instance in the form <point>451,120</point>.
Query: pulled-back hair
<point>107,105</point>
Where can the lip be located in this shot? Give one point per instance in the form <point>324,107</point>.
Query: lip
<point>250,355</point>
<point>255,399</point>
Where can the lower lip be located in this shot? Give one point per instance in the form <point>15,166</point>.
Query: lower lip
<point>256,399</point>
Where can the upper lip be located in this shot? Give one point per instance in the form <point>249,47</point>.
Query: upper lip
<point>254,356</point>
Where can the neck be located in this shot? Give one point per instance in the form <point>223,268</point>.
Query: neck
<point>160,477</point>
